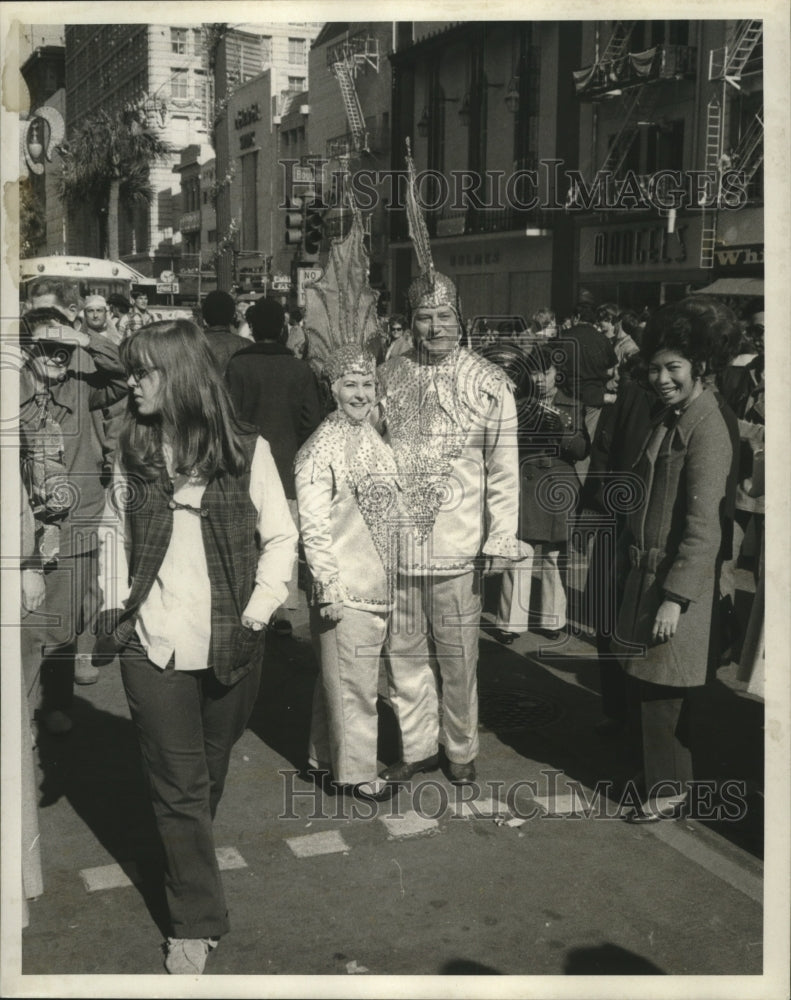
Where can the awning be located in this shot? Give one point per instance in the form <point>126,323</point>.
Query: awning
<point>752,287</point>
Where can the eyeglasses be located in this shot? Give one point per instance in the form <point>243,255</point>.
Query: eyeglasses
<point>138,374</point>
<point>397,329</point>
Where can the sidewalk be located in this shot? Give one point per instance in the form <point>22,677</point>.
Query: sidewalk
<point>315,889</point>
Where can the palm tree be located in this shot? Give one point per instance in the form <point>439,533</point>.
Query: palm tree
<point>106,163</point>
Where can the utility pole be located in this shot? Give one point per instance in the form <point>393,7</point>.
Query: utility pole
<point>225,261</point>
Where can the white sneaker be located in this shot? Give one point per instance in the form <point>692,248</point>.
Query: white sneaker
<point>84,671</point>
<point>187,956</point>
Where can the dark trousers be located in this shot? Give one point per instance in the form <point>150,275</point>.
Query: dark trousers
<point>70,605</point>
<point>187,723</point>
<point>660,729</point>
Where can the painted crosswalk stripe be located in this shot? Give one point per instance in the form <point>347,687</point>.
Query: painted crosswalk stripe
<point>314,844</point>
<point>408,824</point>
<point>478,808</point>
<point>560,805</point>
<point>126,873</point>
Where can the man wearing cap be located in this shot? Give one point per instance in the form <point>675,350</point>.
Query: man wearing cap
<point>66,375</point>
<point>138,315</point>
<point>450,417</point>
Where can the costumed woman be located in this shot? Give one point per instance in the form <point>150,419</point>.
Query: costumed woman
<point>674,544</point>
<point>209,549</point>
<point>345,479</point>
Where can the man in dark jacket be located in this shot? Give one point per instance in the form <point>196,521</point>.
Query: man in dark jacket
<point>219,312</point>
<point>590,366</point>
<point>276,393</point>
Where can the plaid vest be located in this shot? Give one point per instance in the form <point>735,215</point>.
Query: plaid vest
<point>228,525</point>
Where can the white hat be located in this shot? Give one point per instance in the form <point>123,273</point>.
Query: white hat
<point>95,301</point>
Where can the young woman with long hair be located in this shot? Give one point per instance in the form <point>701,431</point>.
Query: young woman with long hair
<point>209,546</point>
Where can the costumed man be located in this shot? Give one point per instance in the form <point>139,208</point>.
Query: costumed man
<point>450,418</point>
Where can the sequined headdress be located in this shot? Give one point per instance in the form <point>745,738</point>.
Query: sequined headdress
<point>430,288</point>
<point>340,309</point>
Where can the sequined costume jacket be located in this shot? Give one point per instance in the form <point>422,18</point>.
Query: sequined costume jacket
<point>346,489</point>
<point>453,430</point>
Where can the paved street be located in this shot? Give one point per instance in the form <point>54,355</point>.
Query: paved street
<point>316,885</point>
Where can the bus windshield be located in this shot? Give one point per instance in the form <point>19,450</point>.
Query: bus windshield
<point>86,275</point>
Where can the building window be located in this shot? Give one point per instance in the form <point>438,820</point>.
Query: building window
<point>266,48</point>
<point>178,41</point>
<point>297,51</point>
<point>179,84</point>
<point>296,84</point>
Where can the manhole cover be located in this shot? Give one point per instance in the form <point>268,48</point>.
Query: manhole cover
<point>513,710</point>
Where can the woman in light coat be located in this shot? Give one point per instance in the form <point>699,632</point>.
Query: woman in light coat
<point>674,540</point>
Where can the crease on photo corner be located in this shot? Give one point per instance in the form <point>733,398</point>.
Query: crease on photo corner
<point>15,100</point>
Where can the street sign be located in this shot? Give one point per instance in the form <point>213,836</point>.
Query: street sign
<point>304,276</point>
<point>302,175</point>
<point>167,288</point>
<point>281,283</point>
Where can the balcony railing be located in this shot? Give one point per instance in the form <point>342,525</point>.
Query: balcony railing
<point>663,62</point>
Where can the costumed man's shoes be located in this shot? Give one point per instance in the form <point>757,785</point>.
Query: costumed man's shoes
<point>656,813</point>
<point>374,791</point>
<point>503,636</point>
<point>406,770</point>
<point>462,774</point>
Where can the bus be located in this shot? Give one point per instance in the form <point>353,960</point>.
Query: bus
<point>90,275</point>
<point>95,276</point>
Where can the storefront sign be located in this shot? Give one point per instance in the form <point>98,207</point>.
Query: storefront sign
<point>246,116</point>
<point>640,247</point>
<point>751,253</point>
<point>459,260</point>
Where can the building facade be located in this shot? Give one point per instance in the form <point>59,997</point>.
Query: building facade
<point>671,119</point>
<point>166,68</point>
<point>484,108</point>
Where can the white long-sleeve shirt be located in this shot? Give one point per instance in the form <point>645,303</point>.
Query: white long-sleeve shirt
<point>175,618</point>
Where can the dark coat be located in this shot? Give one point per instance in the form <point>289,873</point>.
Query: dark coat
<point>277,394</point>
<point>675,540</point>
<point>224,343</point>
<point>549,444</point>
<point>589,358</point>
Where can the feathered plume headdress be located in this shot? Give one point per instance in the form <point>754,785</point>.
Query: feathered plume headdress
<point>340,308</point>
<point>430,288</point>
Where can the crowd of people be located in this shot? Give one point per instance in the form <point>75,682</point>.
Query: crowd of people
<point>214,470</point>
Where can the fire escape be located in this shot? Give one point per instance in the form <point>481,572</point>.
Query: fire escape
<point>726,69</point>
<point>345,59</point>
<point>634,78</point>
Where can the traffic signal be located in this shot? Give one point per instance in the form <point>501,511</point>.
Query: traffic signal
<point>295,220</point>
<point>314,226</point>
